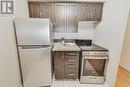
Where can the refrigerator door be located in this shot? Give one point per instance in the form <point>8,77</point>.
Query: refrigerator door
<point>33,31</point>
<point>36,65</point>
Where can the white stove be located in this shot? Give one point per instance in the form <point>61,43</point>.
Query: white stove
<point>93,62</point>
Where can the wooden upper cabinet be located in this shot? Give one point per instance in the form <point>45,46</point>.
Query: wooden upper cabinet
<point>73,16</point>
<point>82,12</point>
<point>65,16</point>
<point>91,11</point>
<point>48,11</point>
<point>41,10</point>
<point>32,9</point>
<point>60,17</point>
<point>98,9</point>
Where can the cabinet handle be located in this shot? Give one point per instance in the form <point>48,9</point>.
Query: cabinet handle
<point>91,15</point>
<point>71,66</point>
<point>93,78</point>
<point>71,60</point>
<point>71,54</point>
<point>88,16</point>
<point>71,74</point>
<point>40,14</point>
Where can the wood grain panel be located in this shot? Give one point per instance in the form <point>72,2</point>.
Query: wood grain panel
<point>59,65</point>
<point>97,11</point>
<point>41,10</point>
<point>66,65</point>
<point>48,11</point>
<point>65,16</point>
<point>123,78</point>
<point>73,17</point>
<point>60,17</point>
<point>91,11</point>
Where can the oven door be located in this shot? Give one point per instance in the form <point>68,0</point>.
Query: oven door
<point>93,67</point>
<point>93,70</point>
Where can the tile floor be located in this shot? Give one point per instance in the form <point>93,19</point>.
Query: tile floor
<point>74,83</point>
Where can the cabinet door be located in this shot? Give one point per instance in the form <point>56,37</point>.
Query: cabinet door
<point>60,17</point>
<point>73,16</point>
<point>59,65</point>
<point>97,11</point>
<point>91,11</point>
<point>84,12</point>
<point>33,12</point>
<point>41,10</point>
<point>48,11</point>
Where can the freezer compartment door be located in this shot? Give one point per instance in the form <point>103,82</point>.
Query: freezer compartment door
<point>36,66</point>
<point>30,31</point>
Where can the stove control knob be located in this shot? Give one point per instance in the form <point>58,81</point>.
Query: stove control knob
<point>104,54</point>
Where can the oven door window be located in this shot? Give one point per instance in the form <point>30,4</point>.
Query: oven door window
<point>93,67</point>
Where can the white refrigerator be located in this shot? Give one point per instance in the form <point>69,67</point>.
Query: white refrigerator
<point>34,47</point>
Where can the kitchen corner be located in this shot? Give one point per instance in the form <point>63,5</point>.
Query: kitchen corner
<point>64,43</point>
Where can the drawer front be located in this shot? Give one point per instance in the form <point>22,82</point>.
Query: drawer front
<point>71,76</point>
<point>71,56</point>
<point>71,53</point>
<point>71,66</point>
<point>71,62</point>
<point>71,71</point>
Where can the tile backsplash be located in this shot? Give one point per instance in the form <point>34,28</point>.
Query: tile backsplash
<point>85,31</point>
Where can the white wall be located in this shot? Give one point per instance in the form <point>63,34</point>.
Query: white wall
<point>85,31</point>
<point>9,67</point>
<point>110,32</point>
<point>125,54</point>
<point>21,9</point>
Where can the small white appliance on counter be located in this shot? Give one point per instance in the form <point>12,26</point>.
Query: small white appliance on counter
<point>34,45</point>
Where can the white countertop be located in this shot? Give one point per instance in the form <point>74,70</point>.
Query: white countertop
<point>66,47</point>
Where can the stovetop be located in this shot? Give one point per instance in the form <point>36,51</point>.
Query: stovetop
<point>87,45</point>
<point>94,47</point>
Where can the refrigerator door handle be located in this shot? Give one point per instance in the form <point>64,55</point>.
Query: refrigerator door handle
<point>20,48</point>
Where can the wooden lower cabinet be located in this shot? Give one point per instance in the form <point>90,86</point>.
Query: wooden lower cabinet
<point>66,65</point>
<point>58,65</point>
